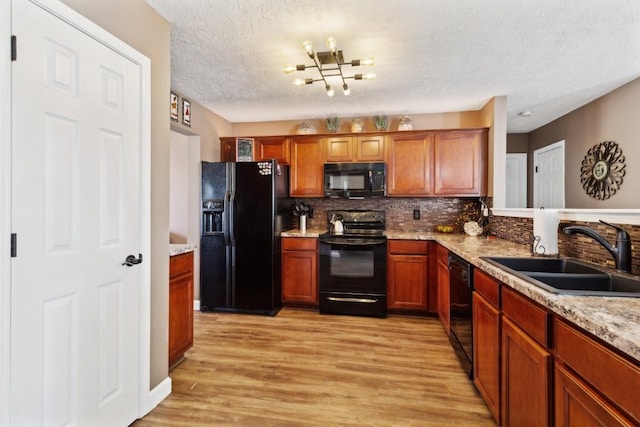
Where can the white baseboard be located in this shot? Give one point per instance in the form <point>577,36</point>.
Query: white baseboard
<point>157,395</point>
<point>196,305</point>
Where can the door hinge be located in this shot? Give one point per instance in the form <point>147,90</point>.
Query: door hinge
<point>536,169</point>
<point>14,48</point>
<point>14,245</point>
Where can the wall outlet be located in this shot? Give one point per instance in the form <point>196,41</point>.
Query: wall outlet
<point>416,214</point>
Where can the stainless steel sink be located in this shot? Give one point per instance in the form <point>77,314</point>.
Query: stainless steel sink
<point>568,276</point>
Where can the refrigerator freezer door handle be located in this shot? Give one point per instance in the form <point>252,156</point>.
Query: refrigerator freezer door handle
<point>232,218</point>
<point>226,221</point>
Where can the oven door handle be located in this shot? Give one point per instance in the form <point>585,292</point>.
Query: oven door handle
<point>347,242</point>
<point>359,300</point>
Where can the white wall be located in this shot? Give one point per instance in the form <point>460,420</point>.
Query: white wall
<point>179,183</point>
<point>184,196</point>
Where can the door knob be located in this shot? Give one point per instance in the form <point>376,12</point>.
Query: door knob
<point>131,260</point>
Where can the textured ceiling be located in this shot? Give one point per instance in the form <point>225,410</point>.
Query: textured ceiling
<point>546,56</point>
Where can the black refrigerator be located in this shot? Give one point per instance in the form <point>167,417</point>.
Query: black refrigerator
<point>245,207</point>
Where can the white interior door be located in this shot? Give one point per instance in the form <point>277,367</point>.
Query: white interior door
<point>548,176</point>
<point>75,329</point>
<point>516,180</point>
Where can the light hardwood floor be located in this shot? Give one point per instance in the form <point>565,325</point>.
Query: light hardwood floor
<point>302,368</point>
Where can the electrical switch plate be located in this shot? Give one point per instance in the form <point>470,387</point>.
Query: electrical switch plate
<point>416,214</point>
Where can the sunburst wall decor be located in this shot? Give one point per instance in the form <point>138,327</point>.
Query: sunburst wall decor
<point>602,170</point>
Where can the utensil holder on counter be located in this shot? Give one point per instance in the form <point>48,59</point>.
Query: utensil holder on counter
<point>303,223</point>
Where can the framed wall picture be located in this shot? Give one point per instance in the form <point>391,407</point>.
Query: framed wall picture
<point>173,106</point>
<point>244,149</point>
<point>186,112</point>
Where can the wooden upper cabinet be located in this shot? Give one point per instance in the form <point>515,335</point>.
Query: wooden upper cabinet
<point>340,149</point>
<point>449,163</point>
<point>273,147</point>
<point>369,148</point>
<point>409,164</point>
<point>307,166</point>
<point>355,149</point>
<point>460,160</point>
<point>227,149</point>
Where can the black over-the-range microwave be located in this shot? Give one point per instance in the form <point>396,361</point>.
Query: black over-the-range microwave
<point>355,180</point>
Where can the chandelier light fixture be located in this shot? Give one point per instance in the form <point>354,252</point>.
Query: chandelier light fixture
<point>329,64</point>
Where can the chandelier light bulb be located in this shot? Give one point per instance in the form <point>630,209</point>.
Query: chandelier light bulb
<point>367,62</point>
<point>346,90</point>
<point>369,76</point>
<point>329,90</point>
<point>288,69</point>
<point>298,82</point>
<point>308,47</point>
<point>331,44</point>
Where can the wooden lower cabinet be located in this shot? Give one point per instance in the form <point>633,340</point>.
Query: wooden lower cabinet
<point>526,379</point>
<point>443,288</point>
<point>577,404</point>
<point>180,306</point>
<point>486,352</point>
<point>584,382</point>
<point>300,270</point>
<point>609,380</point>
<point>407,274</point>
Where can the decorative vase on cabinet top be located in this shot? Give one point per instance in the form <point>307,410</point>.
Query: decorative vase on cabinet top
<point>356,125</point>
<point>405,123</point>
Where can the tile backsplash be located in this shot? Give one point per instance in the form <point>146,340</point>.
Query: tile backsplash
<point>456,211</point>
<point>399,211</point>
<point>520,230</point>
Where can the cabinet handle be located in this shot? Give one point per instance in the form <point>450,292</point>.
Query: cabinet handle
<point>361,300</point>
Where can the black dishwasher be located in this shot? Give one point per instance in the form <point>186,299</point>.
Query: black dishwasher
<point>461,330</point>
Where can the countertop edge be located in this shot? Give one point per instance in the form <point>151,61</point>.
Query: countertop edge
<point>181,248</point>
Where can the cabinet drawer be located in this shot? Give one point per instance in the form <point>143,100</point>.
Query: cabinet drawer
<point>613,375</point>
<point>181,264</point>
<point>529,316</point>
<point>487,286</point>
<point>419,247</point>
<point>299,244</point>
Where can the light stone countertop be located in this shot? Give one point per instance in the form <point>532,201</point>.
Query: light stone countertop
<point>181,248</point>
<point>311,232</point>
<point>615,320</point>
